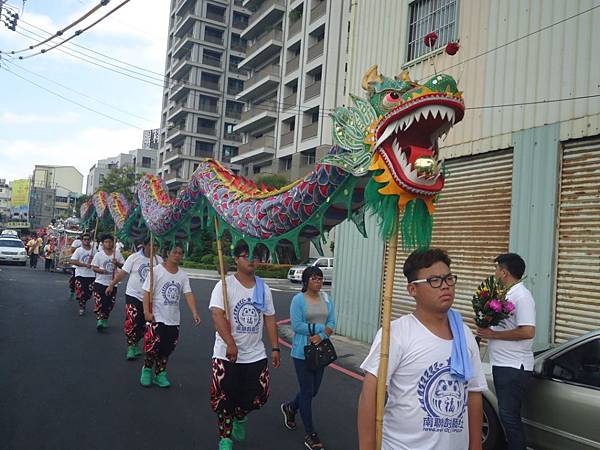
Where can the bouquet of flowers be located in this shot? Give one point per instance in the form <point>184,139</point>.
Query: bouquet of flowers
<point>490,304</point>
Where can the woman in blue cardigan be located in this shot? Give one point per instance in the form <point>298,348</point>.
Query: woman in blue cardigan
<point>309,307</point>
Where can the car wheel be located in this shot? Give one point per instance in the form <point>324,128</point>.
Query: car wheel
<point>491,434</point>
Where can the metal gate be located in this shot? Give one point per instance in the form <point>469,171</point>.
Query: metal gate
<point>577,309</point>
<point>471,222</point>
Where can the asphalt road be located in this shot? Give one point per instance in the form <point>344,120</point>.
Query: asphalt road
<point>65,386</point>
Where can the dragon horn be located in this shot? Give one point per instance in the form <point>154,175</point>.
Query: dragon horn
<point>372,76</point>
<point>403,76</point>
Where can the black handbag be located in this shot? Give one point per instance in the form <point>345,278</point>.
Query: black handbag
<point>321,355</point>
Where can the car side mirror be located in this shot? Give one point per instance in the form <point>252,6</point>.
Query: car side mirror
<point>541,368</point>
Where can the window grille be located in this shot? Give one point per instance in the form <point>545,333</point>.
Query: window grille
<point>426,16</point>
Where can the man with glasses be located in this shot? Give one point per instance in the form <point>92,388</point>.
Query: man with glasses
<point>84,274</point>
<point>510,348</point>
<point>240,374</point>
<point>434,378</point>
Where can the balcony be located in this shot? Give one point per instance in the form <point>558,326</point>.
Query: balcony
<point>292,65</point>
<point>316,50</point>
<point>318,11</point>
<point>263,49</point>
<point>211,85</point>
<point>210,15</point>
<point>178,91</point>
<point>206,131</point>
<point>172,155</point>
<point>178,111</point>
<point>310,131</point>
<point>182,4</point>
<point>173,178</point>
<point>269,13</point>
<point>239,24</point>
<point>183,45</point>
<point>260,83</point>
<point>210,108</point>
<point>295,28</point>
<point>233,68</point>
<point>290,101</point>
<point>255,148</point>
<point>185,25</point>
<point>180,68</point>
<point>287,138</point>
<point>213,39</point>
<point>234,137</point>
<point>312,91</point>
<point>257,116</point>
<point>232,114</point>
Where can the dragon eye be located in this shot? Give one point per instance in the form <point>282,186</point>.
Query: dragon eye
<point>391,99</point>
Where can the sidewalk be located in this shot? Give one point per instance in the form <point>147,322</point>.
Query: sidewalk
<point>213,274</point>
<point>350,353</point>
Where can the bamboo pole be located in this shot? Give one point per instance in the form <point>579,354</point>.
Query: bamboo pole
<point>390,269</point>
<point>222,269</point>
<point>96,230</point>
<point>151,267</point>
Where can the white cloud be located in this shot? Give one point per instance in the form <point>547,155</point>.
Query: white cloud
<point>81,149</point>
<point>10,118</point>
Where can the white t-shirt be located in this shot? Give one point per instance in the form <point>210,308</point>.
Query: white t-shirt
<point>103,261</point>
<point>84,256</point>
<point>138,267</point>
<point>246,320</point>
<point>427,406</point>
<point>166,294</point>
<point>76,243</point>
<point>515,353</point>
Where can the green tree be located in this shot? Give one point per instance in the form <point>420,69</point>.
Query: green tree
<point>121,180</point>
<point>272,180</point>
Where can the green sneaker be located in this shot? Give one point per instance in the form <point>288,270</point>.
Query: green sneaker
<point>225,444</point>
<point>146,377</point>
<point>131,352</point>
<point>137,350</point>
<point>105,323</point>
<point>239,429</point>
<point>72,296</point>
<point>161,380</point>
<point>99,325</point>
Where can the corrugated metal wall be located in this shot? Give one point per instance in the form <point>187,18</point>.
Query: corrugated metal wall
<point>533,220</point>
<point>471,222</point>
<point>578,272</point>
<point>357,280</point>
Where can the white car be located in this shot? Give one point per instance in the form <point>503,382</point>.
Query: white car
<point>9,233</point>
<point>12,250</point>
<point>323,263</point>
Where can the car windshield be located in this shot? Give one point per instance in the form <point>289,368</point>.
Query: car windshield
<point>309,262</point>
<point>11,243</point>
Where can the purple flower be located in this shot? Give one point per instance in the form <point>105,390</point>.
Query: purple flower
<point>496,305</point>
<point>509,307</point>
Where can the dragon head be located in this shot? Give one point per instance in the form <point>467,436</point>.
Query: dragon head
<point>394,135</point>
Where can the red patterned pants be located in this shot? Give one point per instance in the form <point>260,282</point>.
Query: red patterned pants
<point>84,289</point>
<point>160,341</point>
<point>135,324</point>
<point>104,303</point>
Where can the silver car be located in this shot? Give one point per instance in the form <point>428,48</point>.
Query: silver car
<point>12,250</point>
<point>561,410</point>
<point>323,263</point>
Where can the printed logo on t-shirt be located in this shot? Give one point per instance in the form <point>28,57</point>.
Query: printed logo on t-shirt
<point>87,258</point>
<point>247,317</point>
<point>108,266</point>
<point>443,398</point>
<point>171,292</point>
<point>143,271</point>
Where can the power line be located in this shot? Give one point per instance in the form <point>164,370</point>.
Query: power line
<point>70,100</point>
<point>13,64</point>
<point>80,32</point>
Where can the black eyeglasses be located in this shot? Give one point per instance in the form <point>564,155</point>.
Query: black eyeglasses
<point>245,256</point>
<point>316,278</point>
<point>436,282</point>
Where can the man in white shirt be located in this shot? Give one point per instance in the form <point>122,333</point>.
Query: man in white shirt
<point>137,266</point>
<point>161,310</point>
<point>69,251</point>
<point>240,374</point>
<point>105,263</point>
<point>84,275</point>
<point>434,380</point>
<point>510,348</point>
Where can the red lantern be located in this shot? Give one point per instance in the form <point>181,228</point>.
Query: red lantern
<point>430,39</point>
<point>452,48</point>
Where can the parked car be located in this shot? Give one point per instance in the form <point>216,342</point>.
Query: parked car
<point>561,409</point>
<point>12,250</point>
<point>12,233</point>
<point>323,263</point>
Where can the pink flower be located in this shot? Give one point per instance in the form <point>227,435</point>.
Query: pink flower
<point>496,305</point>
<point>509,307</point>
<point>452,48</point>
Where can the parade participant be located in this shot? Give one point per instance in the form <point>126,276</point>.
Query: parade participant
<point>137,267</point>
<point>33,247</point>
<point>105,263</point>
<point>312,306</point>
<point>73,246</point>
<point>161,310</point>
<point>510,348</point>
<point>84,275</point>
<point>49,253</point>
<point>434,378</point>
<point>240,374</point>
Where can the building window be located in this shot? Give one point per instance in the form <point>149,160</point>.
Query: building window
<point>255,170</point>
<point>309,157</point>
<point>146,162</point>
<point>285,164</point>
<point>196,166</point>
<point>426,16</point>
<point>229,152</point>
<point>203,149</point>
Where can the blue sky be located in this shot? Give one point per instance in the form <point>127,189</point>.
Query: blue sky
<point>37,127</point>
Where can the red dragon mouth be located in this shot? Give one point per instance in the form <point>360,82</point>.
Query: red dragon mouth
<point>407,141</point>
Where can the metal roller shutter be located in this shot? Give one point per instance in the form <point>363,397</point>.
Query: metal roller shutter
<point>578,270</point>
<point>471,222</point>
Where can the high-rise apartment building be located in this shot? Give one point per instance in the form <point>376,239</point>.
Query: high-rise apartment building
<point>296,58</point>
<point>200,108</point>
